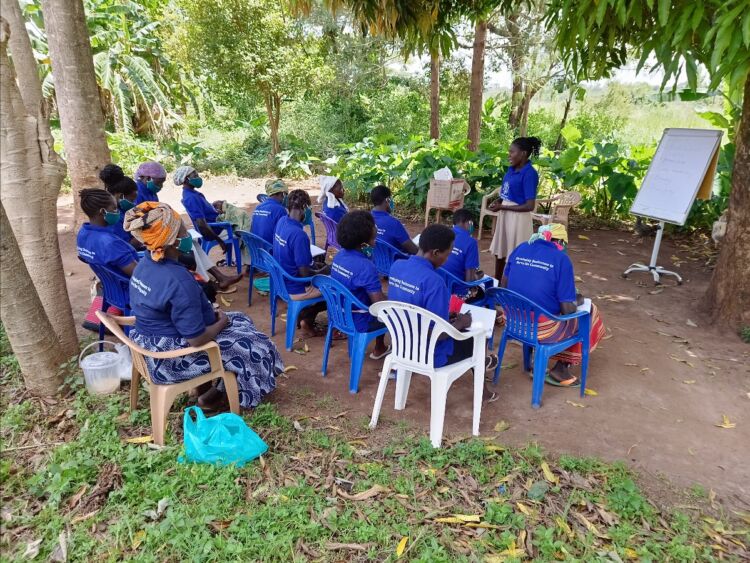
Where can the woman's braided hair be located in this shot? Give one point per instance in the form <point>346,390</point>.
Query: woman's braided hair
<point>93,200</point>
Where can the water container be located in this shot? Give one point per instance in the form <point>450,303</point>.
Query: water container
<point>126,362</point>
<point>101,370</point>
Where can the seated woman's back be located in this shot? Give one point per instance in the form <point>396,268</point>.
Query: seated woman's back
<point>291,248</point>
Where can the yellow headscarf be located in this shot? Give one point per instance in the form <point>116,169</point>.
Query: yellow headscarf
<point>155,224</point>
<point>549,232</point>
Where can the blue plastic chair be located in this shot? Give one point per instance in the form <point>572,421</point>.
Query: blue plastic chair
<point>341,306</point>
<point>279,291</point>
<point>331,227</point>
<point>115,291</point>
<point>522,323</point>
<point>255,244</point>
<point>457,286</point>
<point>233,244</point>
<point>385,255</point>
<point>311,223</point>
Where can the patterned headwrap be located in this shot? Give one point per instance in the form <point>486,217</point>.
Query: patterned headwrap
<point>276,186</point>
<point>181,174</point>
<point>150,169</point>
<point>549,232</point>
<point>155,224</point>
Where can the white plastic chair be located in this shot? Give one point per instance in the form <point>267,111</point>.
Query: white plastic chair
<point>414,333</point>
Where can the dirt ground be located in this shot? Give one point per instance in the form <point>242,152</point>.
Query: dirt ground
<point>663,380</point>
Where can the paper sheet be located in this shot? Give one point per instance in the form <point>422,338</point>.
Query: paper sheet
<point>316,251</point>
<point>585,306</point>
<point>481,317</point>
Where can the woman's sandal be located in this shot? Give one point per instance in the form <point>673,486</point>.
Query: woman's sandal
<point>572,382</point>
<point>374,356</point>
<point>490,362</point>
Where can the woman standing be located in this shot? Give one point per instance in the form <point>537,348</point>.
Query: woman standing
<point>516,202</point>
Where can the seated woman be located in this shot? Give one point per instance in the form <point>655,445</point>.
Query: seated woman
<point>354,268</point>
<point>149,178</point>
<point>464,259</point>
<point>97,241</point>
<point>267,215</point>
<point>332,198</point>
<point>125,191</point>
<point>172,312</point>
<point>542,272</point>
<point>291,248</point>
<point>415,281</point>
<point>390,229</point>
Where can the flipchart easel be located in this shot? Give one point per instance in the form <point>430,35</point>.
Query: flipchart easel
<point>682,169</point>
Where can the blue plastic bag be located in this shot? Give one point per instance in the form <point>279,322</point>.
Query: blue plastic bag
<point>222,439</point>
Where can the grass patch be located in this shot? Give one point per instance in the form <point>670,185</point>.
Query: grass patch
<point>111,500</point>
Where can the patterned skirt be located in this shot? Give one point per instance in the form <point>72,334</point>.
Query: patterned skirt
<point>244,350</point>
<point>554,331</point>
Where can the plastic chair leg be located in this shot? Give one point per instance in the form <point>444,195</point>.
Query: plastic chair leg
<point>438,399</point>
<point>233,394</point>
<point>500,354</point>
<point>237,255</point>
<point>584,365</point>
<point>540,370</point>
<point>292,312</point>
<point>104,308</point>
<point>161,397</point>
<point>274,303</point>
<point>381,393</point>
<point>135,385</point>
<point>327,348</point>
<point>527,357</point>
<point>251,277</point>
<point>359,348</point>
<point>403,379</point>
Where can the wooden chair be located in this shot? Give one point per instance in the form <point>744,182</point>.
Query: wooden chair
<point>162,396</point>
<point>560,206</point>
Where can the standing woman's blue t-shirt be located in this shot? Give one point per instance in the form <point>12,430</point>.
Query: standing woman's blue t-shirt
<point>265,218</point>
<point>415,281</point>
<point>519,186</point>
<point>101,246</point>
<point>291,249</point>
<point>465,254</point>
<point>144,194</point>
<point>359,275</point>
<point>336,213</point>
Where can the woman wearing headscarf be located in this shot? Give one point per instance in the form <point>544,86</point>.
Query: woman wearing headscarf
<point>200,211</point>
<point>541,271</point>
<point>332,197</point>
<point>172,313</point>
<point>149,177</point>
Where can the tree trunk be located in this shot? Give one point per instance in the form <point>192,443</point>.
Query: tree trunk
<point>31,174</point>
<point>728,294</point>
<point>273,111</point>
<point>564,120</point>
<point>434,95</point>
<point>78,102</point>
<point>23,56</point>
<point>517,56</point>
<point>477,84</point>
<point>524,110</point>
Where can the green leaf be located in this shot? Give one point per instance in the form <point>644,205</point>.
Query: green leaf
<point>621,186</point>
<point>716,119</point>
<point>569,157</point>
<point>664,6</point>
<point>571,133</point>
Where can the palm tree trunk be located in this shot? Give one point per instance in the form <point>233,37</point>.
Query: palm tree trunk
<point>77,94</point>
<point>31,174</point>
<point>476,91</point>
<point>728,295</point>
<point>434,95</point>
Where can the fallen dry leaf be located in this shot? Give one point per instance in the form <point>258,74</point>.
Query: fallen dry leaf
<point>224,301</point>
<point>691,323</point>
<point>297,426</point>
<point>60,553</point>
<point>139,440</point>
<point>494,448</point>
<point>373,491</point>
<point>353,546</point>
<point>138,538</point>
<point>32,549</point>
<point>591,392</point>
<point>551,477</point>
<point>589,525</point>
<point>579,405</point>
<point>688,381</point>
<point>725,422</point>
<point>458,519</point>
<point>401,546</point>
<point>501,426</point>
<point>583,237</point>
<point>585,261</point>
<point>287,369</point>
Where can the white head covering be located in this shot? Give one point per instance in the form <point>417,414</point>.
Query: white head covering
<point>326,183</point>
<point>181,173</point>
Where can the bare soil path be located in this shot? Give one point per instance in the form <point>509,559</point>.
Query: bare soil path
<point>663,379</point>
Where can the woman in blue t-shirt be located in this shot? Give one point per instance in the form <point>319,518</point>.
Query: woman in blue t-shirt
<point>332,198</point>
<point>516,202</point>
<point>172,312</point>
<point>125,191</point>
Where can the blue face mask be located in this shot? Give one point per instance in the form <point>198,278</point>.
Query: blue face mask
<point>308,216</point>
<point>196,182</point>
<point>367,250</point>
<point>285,200</point>
<point>125,204</point>
<point>154,188</point>
<point>471,228</point>
<point>111,217</point>
<point>185,244</point>
<point>391,205</point>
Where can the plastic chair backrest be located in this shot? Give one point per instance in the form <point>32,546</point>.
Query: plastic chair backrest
<point>262,198</point>
<point>254,245</point>
<point>414,333</point>
<point>115,285</point>
<point>331,227</point>
<point>115,324</point>
<point>521,314</point>
<point>341,303</point>
<point>385,255</point>
<point>450,280</point>
<point>278,276</point>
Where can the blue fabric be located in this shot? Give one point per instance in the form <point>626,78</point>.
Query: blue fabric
<point>167,300</point>
<point>265,218</point>
<point>415,281</point>
<point>291,248</point>
<point>543,274</point>
<point>102,245</point>
<point>519,186</point>
<point>390,229</point>
<point>244,350</point>
<point>198,207</point>
<point>358,274</point>
<point>465,254</point>
<point>335,213</point>
<point>144,194</point>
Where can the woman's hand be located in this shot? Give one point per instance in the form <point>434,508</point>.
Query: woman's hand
<point>496,205</point>
<point>221,320</point>
<point>462,321</point>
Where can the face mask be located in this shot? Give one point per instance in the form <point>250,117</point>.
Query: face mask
<point>285,200</point>
<point>111,217</point>
<point>126,204</point>
<point>154,188</point>
<point>391,205</point>
<point>308,215</point>
<point>367,250</point>
<point>196,182</point>
<point>471,228</point>
<point>185,244</point>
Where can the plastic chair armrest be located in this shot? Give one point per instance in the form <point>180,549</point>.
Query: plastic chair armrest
<point>471,332</point>
<point>183,352</point>
<point>568,317</point>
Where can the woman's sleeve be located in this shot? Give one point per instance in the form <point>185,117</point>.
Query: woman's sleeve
<point>400,234</point>
<point>471,260</point>
<point>122,254</point>
<point>566,282</point>
<point>530,184</point>
<point>186,312</point>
